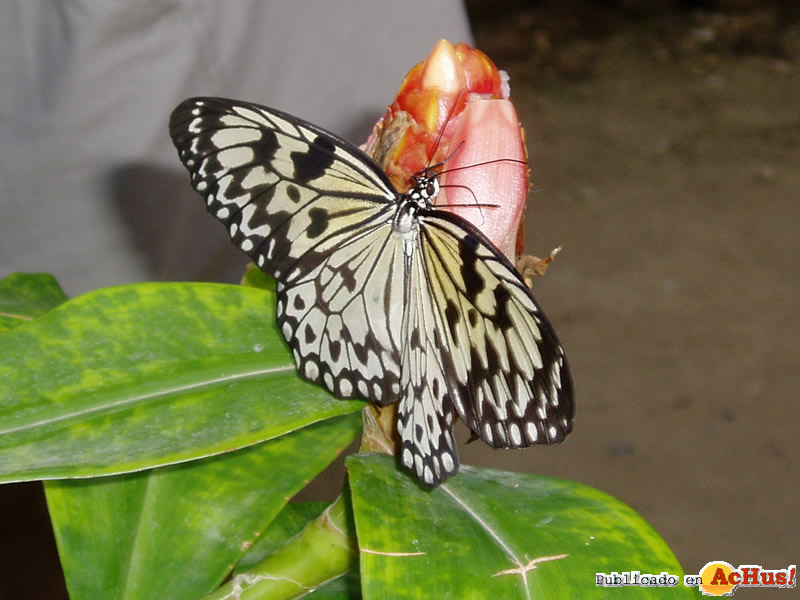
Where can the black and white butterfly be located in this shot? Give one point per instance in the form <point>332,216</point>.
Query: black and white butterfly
<point>381,295</point>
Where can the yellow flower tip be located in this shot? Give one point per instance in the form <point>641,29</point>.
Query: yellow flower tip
<point>443,69</point>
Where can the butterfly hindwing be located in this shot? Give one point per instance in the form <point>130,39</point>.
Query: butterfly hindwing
<point>425,415</point>
<point>334,317</point>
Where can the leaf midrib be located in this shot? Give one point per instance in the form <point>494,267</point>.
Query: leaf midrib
<point>124,401</point>
<point>473,513</point>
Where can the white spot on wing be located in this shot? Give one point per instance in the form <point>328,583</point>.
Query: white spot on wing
<point>447,461</point>
<point>516,437</point>
<point>311,370</point>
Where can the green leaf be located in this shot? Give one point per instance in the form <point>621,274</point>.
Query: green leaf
<point>175,532</point>
<point>25,296</point>
<point>346,587</point>
<point>255,277</point>
<point>286,525</point>
<point>143,375</point>
<point>509,535</point>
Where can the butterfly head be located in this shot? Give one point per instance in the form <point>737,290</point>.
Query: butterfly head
<point>425,189</point>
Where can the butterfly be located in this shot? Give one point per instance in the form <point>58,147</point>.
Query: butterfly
<point>380,295</point>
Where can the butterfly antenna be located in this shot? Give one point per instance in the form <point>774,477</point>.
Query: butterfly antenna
<point>480,164</point>
<point>480,206</point>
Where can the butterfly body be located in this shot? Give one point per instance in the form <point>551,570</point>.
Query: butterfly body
<point>381,295</point>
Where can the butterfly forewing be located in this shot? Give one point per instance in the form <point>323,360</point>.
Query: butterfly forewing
<point>277,183</point>
<point>510,382</point>
<point>380,296</point>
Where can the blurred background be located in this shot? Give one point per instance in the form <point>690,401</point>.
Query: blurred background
<point>664,138</point>
<point>665,145</point>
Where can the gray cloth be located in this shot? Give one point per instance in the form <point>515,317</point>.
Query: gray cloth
<point>91,188</point>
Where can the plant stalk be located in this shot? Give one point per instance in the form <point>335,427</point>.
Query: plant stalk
<point>324,550</point>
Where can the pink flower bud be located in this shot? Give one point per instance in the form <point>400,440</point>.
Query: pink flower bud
<point>486,180</point>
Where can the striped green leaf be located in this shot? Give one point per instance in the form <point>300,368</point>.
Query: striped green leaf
<point>25,296</point>
<point>143,375</point>
<point>493,534</point>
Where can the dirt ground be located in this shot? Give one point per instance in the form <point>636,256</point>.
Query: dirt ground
<point>666,162</point>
